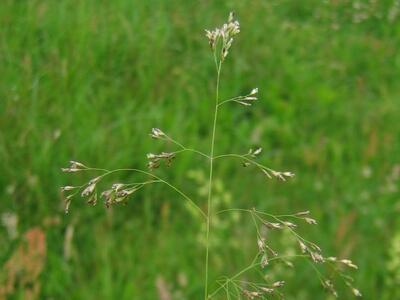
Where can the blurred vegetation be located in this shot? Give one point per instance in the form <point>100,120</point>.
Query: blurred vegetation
<point>87,80</point>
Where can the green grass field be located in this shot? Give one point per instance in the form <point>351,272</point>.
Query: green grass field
<point>87,80</point>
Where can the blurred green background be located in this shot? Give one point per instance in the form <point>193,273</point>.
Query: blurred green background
<point>87,80</point>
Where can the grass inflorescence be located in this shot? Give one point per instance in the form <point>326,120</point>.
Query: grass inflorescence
<point>221,40</point>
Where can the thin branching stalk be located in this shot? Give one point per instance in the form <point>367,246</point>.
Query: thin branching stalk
<point>209,200</point>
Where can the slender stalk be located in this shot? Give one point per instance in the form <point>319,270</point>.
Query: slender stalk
<point>184,148</point>
<point>244,158</point>
<point>209,201</point>
<point>108,172</point>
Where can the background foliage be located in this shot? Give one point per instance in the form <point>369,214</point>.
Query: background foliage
<point>86,80</point>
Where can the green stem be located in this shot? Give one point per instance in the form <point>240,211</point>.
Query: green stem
<point>209,202</point>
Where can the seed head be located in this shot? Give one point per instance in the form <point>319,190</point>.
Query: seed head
<point>157,133</point>
<point>282,175</point>
<point>331,258</point>
<point>154,159</point>
<point>255,152</point>
<point>92,199</point>
<point>278,284</point>
<point>67,203</point>
<point>290,224</point>
<point>316,257</point>
<point>88,190</point>
<point>302,213</point>
<point>303,247</point>
<point>348,263</point>
<point>251,294</point>
<point>254,92</point>
<point>261,244</point>
<point>272,225</point>
<point>267,290</point>
<point>330,287</point>
<point>264,261</point>
<point>74,167</point>
<point>310,221</point>
<point>68,188</point>
<point>356,292</point>
<point>117,186</point>
<point>225,33</point>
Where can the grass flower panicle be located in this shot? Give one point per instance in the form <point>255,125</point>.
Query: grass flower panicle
<point>221,40</point>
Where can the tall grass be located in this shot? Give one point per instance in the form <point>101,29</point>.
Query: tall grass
<point>220,40</point>
<point>79,80</point>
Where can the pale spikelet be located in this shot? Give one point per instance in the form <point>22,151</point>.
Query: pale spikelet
<point>74,167</point>
<point>278,284</point>
<point>264,260</point>
<point>310,221</point>
<point>290,224</point>
<point>288,174</point>
<point>254,92</point>
<point>155,159</point>
<point>69,170</point>
<point>257,151</point>
<point>303,247</point>
<point>247,99</point>
<point>302,213</point>
<point>153,165</point>
<point>261,244</point>
<point>109,197</point>
<point>267,290</point>
<point>117,186</point>
<point>212,37</point>
<point>157,133</point>
<point>331,259</point>
<point>88,190</point>
<point>282,175</point>
<point>316,257</point>
<point>254,153</point>
<point>75,164</point>
<point>348,263</point>
<point>90,187</point>
<point>92,200</point>
<point>67,188</point>
<point>251,294</point>
<point>243,102</point>
<point>328,285</point>
<point>272,225</point>
<point>151,156</point>
<point>356,292</point>
<point>119,193</point>
<point>67,203</point>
